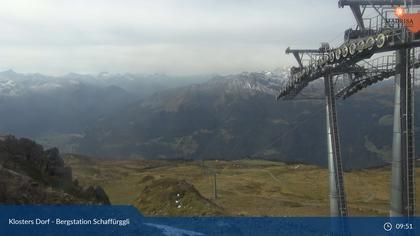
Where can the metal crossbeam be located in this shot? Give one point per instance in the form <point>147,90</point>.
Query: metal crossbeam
<point>376,73</point>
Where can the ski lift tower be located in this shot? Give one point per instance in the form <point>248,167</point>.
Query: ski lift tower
<point>403,152</point>
<point>338,205</point>
<point>372,36</point>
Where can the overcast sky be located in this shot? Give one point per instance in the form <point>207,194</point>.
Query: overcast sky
<point>162,36</point>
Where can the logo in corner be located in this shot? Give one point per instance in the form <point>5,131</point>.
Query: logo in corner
<point>410,20</point>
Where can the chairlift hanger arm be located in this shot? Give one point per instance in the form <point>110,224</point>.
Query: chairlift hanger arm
<point>358,14</point>
<point>299,53</point>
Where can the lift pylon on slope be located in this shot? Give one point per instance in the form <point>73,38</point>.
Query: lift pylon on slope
<point>338,204</point>
<point>372,36</point>
<point>403,155</point>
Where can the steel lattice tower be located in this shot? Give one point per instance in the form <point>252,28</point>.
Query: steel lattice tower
<point>351,61</point>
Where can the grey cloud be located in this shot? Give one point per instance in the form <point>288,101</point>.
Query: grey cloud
<point>178,36</point>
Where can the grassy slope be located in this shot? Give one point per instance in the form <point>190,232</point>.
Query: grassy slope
<point>247,187</point>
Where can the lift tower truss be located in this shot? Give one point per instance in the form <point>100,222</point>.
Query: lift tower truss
<point>403,154</point>
<point>338,204</point>
<point>372,36</point>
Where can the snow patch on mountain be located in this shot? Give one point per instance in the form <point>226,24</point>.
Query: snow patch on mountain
<point>264,82</point>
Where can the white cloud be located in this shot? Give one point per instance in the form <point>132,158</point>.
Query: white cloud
<point>172,36</point>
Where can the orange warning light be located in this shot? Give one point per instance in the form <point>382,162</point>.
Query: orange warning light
<point>399,11</point>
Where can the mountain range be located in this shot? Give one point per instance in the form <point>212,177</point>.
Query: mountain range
<point>56,110</point>
<point>205,117</point>
<point>235,117</point>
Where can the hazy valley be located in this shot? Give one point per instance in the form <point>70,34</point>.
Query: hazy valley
<point>202,117</point>
<point>157,142</point>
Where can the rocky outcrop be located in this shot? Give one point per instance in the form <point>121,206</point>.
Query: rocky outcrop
<point>174,197</point>
<point>17,188</point>
<point>95,194</point>
<point>31,175</point>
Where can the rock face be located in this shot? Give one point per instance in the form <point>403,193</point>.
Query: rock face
<point>31,175</point>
